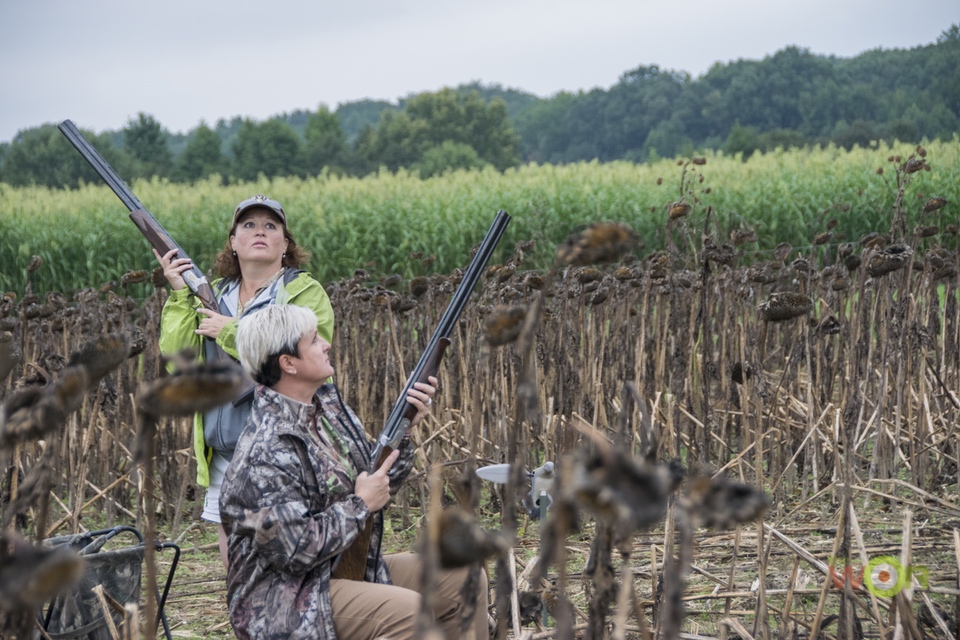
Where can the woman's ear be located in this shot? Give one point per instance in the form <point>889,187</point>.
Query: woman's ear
<point>286,365</point>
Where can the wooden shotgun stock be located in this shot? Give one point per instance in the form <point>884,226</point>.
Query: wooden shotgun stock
<point>351,565</point>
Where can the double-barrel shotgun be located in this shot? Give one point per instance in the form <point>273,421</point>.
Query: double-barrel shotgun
<point>148,225</point>
<point>351,565</point>
<point>152,230</point>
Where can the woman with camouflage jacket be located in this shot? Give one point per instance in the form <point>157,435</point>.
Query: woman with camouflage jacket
<point>296,495</point>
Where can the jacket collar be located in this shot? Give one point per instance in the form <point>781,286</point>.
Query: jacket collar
<point>291,416</point>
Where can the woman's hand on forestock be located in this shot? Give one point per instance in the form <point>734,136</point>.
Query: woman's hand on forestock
<point>173,268</point>
<point>212,324</point>
<point>374,489</point>
<point>421,396</point>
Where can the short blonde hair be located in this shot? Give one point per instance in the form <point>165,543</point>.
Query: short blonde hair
<point>267,334</point>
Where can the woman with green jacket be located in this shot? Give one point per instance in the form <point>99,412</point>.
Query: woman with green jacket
<point>258,266</point>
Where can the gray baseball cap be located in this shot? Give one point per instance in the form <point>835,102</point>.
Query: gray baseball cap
<point>262,202</point>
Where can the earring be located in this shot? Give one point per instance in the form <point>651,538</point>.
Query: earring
<point>234,254</point>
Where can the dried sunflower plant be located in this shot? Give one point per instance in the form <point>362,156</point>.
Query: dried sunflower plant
<point>716,408</point>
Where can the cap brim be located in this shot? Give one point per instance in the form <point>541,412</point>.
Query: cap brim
<point>259,205</point>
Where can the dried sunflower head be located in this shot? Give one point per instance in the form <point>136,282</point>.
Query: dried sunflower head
<point>761,274</point>
<point>890,259</point>
<point>588,275</point>
<point>419,286</point>
<point>679,209</point>
<point>194,388</point>
<point>740,373</point>
<point>31,575</point>
<point>782,252</point>
<point>133,277</point>
<point>618,488</point>
<point>36,411</point>
<point>719,254</point>
<point>743,236</point>
<point>503,325</point>
<point>720,503</point>
<point>828,326</point>
<point>914,164</point>
<point>402,304</point>
<point>934,204</point>
<point>534,281</point>
<point>464,542</point>
<point>392,280</point>
<point>101,356</point>
<point>600,242</point>
<point>785,305</point>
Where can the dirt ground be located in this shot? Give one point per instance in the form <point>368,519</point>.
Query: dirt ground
<point>723,581</point>
<point>196,606</point>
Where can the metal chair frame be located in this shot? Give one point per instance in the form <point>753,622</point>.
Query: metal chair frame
<point>90,545</point>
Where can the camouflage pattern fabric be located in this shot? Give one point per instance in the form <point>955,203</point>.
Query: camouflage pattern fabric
<point>288,505</point>
<point>77,613</point>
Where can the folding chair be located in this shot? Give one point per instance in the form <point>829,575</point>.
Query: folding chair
<point>77,613</point>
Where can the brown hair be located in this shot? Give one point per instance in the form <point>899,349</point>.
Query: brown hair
<point>228,266</point>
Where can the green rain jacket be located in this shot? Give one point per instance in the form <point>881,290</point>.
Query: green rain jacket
<point>179,321</point>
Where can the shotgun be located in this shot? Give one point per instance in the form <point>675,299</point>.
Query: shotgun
<point>154,232</point>
<point>148,225</point>
<point>352,563</point>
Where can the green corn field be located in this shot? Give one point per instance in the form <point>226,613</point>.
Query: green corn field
<point>86,240</point>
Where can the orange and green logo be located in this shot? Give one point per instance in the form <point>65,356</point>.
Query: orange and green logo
<point>884,576</point>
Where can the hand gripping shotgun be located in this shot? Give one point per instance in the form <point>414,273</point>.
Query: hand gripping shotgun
<point>155,234</point>
<point>352,563</point>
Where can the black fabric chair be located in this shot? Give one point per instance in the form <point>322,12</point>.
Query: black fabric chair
<point>77,613</point>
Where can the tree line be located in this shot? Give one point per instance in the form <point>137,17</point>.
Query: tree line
<point>792,98</point>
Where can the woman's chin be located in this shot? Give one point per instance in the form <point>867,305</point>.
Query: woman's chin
<point>261,258</point>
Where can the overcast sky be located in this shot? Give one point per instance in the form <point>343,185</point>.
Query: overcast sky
<point>100,62</point>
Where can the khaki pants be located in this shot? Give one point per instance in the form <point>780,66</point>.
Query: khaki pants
<point>365,611</point>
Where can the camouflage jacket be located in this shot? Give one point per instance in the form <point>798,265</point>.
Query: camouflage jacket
<point>288,506</point>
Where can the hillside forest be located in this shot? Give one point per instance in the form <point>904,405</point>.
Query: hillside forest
<point>790,99</point>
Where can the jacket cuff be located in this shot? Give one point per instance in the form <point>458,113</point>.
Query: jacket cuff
<point>228,338</point>
<point>358,508</point>
<point>179,295</point>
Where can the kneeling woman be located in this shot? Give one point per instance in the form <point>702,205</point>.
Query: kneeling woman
<point>295,496</point>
